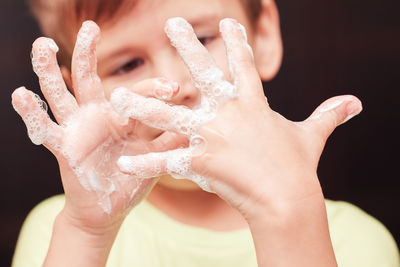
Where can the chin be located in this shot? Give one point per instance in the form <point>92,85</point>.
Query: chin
<point>178,184</point>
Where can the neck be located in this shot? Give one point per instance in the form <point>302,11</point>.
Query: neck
<point>196,208</point>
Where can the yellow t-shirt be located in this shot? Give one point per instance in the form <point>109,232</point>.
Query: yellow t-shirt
<point>149,238</point>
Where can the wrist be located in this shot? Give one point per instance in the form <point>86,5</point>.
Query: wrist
<point>100,232</point>
<point>284,212</point>
<point>73,244</point>
<point>299,230</point>
<point>294,195</point>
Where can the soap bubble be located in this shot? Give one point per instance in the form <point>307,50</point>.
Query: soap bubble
<point>198,145</point>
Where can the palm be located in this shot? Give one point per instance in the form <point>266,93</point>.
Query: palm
<point>91,177</point>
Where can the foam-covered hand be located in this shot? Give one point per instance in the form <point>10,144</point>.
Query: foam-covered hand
<point>90,136</point>
<point>240,148</point>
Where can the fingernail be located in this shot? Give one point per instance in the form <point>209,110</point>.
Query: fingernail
<point>165,89</point>
<point>53,46</point>
<point>227,22</point>
<point>232,25</point>
<point>20,92</point>
<point>229,25</point>
<point>177,25</point>
<point>243,30</point>
<point>331,106</point>
<point>124,163</point>
<point>352,109</point>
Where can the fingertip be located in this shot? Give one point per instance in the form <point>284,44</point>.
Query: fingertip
<point>33,112</point>
<point>225,22</point>
<point>137,166</point>
<point>43,54</point>
<point>338,109</point>
<point>119,99</point>
<point>89,34</point>
<point>124,163</point>
<point>44,43</point>
<point>119,95</point>
<point>91,25</point>
<point>17,98</point>
<point>176,28</point>
<point>175,88</point>
<point>176,23</point>
<point>18,92</point>
<point>353,108</point>
<point>229,26</point>
<point>165,89</point>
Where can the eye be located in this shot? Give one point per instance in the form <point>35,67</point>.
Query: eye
<point>206,39</point>
<point>129,66</point>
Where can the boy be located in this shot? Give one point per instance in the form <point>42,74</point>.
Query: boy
<point>261,166</point>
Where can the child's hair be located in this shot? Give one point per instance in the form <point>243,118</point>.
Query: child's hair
<point>61,19</point>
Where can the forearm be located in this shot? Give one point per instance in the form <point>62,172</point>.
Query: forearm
<point>295,235</point>
<point>73,246</point>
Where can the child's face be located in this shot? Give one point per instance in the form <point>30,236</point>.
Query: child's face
<point>136,48</point>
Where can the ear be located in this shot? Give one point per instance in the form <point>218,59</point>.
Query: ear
<point>268,48</point>
<point>66,73</point>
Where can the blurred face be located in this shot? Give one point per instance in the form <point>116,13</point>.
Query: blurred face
<point>135,48</point>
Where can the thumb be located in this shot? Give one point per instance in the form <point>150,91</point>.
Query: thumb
<point>332,113</point>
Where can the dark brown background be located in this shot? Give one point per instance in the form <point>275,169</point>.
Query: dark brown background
<point>332,47</point>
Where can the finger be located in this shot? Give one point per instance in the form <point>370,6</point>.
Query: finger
<point>44,63</point>
<point>240,58</point>
<point>41,129</point>
<point>332,113</point>
<point>160,88</point>
<point>86,82</point>
<point>155,113</point>
<point>168,141</point>
<point>175,162</point>
<point>207,77</point>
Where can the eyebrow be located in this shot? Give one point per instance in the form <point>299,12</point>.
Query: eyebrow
<point>113,56</point>
<point>117,53</point>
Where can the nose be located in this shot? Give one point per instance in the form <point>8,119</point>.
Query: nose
<point>170,65</point>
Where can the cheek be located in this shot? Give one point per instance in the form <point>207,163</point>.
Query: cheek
<point>108,87</point>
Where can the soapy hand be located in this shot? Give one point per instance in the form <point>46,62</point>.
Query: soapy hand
<point>90,136</point>
<point>240,148</point>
